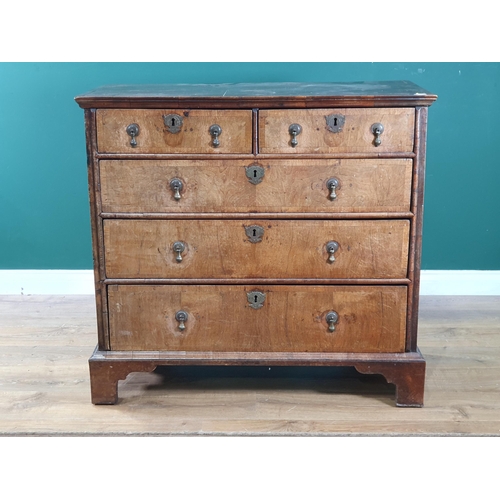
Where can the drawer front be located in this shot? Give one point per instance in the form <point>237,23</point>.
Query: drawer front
<point>337,130</point>
<point>285,318</point>
<point>173,131</point>
<point>256,249</point>
<point>280,186</point>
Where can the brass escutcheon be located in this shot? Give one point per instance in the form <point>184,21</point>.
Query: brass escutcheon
<point>254,233</point>
<point>255,173</point>
<point>256,299</point>
<point>335,123</point>
<point>173,123</point>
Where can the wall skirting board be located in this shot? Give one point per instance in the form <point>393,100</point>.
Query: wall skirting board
<point>81,282</point>
<point>46,282</point>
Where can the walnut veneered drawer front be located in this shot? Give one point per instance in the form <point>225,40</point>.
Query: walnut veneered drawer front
<point>259,319</point>
<point>256,248</point>
<point>354,130</point>
<point>168,131</point>
<point>280,186</point>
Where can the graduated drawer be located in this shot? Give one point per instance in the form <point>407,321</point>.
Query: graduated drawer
<point>285,318</point>
<point>256,249</point>
<point>336,130</point>
<point>367,185</point>
<point>173,131</point>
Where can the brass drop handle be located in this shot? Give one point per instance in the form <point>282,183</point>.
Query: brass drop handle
<point>332,318</point>
<point>176,186</point>
<point>331,248</point>
<point>178,248</point>
<point>377,130</point>
<point>215,131</point>
<point>332,184</point>
<point>294,130</point>
<point>181,317</point>
<point>133,131</point>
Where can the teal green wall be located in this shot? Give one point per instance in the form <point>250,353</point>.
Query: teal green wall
<point>45,216</point>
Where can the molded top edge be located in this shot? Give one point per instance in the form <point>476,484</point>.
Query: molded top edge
<point>298,93</point>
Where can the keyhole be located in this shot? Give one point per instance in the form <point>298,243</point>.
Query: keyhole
<point>254,232</point>
<point>255,298</point>
<point>173,122</point>
<point>255,173</point>
<point>335,122</point>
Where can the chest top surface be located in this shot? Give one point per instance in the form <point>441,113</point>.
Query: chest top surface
<point>280,94</point>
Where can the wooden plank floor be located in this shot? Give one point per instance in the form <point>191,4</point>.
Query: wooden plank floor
<point>45,342</point>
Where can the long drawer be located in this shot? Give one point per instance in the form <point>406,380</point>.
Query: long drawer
<point>256,248</point>
<point>257,319</point>
<point>280,186</point>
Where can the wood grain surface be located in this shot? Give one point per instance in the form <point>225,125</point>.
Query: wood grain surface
<point>45,343</point>
<point>291,318</point>
<point>356,134</point>
<point>365,185</point>
<point>258,95</point>
<point>288,249</point>
<point>194,137</point>
<point>224,256</point>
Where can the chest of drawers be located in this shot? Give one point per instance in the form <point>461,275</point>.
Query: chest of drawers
<point>257,224</point>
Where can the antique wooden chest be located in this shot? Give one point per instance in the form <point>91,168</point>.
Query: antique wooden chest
<point>257,224</point>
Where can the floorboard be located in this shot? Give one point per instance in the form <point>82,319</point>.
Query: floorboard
<point>45,343</point>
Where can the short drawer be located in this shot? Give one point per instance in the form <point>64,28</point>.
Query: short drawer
<point>278,186</point>
<point>249,318</point>
<point>173,131</point>
<point>190,249</point>
<point>352,130</point>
